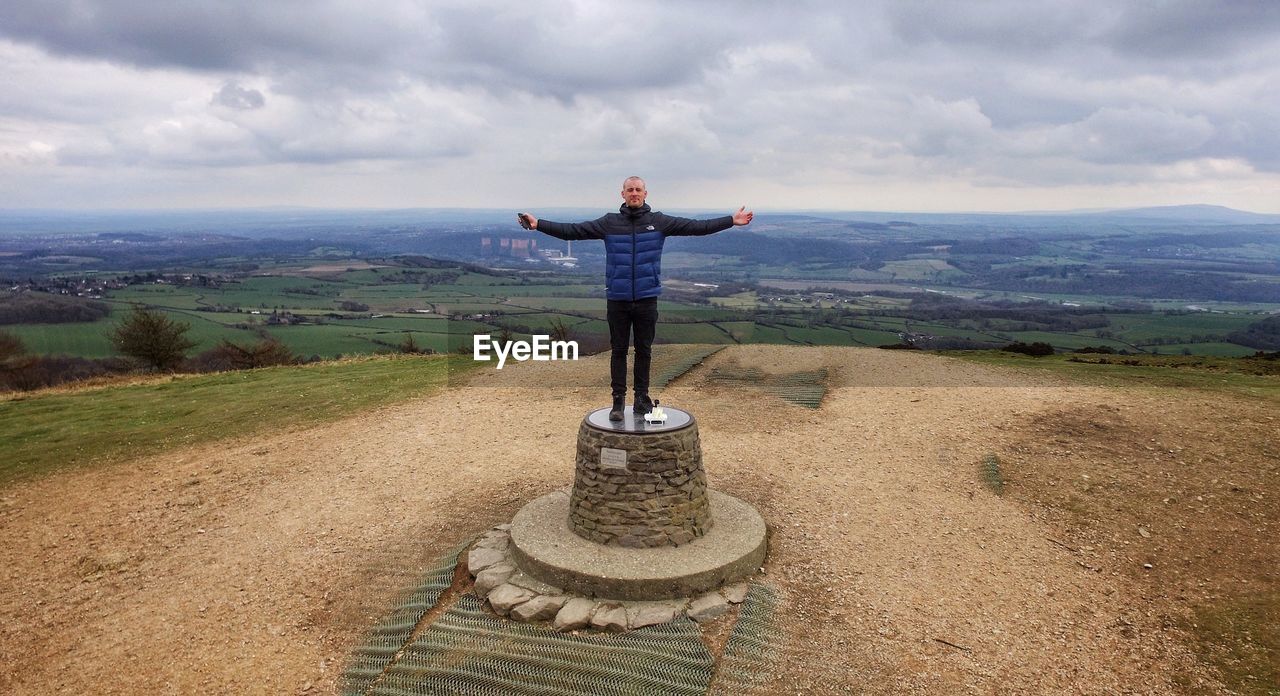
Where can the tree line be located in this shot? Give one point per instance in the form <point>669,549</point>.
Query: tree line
<point>33,308</point>
<point>1263,334</point>
<point>149,340</point>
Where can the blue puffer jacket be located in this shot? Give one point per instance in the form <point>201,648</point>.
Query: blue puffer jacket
<point>633,239</point>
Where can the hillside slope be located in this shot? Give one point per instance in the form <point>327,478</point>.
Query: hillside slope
<point>254,566</point>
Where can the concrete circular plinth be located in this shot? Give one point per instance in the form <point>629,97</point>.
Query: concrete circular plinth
<point>544,547</point>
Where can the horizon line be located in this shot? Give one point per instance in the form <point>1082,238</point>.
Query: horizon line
<point>372,209</point>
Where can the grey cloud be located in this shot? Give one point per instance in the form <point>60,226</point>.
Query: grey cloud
<point>233,96</point>
<point>1138,136</point>
<point>236,35</point>
<point>1250,135</point>
<point>1182,28</point>
<point>1089,32</point>
<point>1153,136</point>
<point>40,88</point>
<point>1006,27</point>
<point>178,33</point>
<point>565,50</point>
<point>1002,92</point>
<point>558,48</point>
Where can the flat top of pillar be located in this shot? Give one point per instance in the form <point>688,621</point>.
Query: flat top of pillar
<point>634,423</point>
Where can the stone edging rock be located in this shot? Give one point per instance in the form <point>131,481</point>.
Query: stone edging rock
<point>513,594</point>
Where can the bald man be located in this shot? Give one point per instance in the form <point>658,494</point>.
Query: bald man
<point>633,239</point>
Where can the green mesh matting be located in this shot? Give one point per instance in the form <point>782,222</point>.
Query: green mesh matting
<point>471,653</point>
<point>683,360</point>
<point>803,388</point>
<point>753,647</point>
<point>385,639</point>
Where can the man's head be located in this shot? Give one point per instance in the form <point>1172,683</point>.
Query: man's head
<point>633,192</point>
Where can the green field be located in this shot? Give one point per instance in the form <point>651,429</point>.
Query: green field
<point>562,304</point>
<point>918,269</point>
<point>332,340</point>
<point>52,431</point>
<point>1064,341</point>
<point>693,333</point>
<point>1229,350</point>
<point>160,295</point>
<point>89,339</point>
<point>1140,328</point>
<point>487,302</point>
<point>747,300</point>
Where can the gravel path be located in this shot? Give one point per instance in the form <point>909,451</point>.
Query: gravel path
<point>253,566</point>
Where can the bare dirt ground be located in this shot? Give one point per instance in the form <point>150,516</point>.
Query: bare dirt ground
<point>254,566</point>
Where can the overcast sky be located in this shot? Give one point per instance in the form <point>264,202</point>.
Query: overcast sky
<point>777,105</point>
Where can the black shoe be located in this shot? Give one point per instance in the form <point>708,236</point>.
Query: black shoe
<point>643,405</point>
<point>615,413</point>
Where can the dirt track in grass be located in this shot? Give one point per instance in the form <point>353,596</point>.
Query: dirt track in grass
<point>254,566</point>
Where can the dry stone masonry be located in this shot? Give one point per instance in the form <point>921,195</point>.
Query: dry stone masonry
<point>632,544</point>
<point>639,490</point>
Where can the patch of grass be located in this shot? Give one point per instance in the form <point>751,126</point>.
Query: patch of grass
<point>85,339</point>
<point>89,339</point>
<point>1062,340</point>
<point>991,474</point>
<point>1137,328</point>
<point>693,333</point>
<point>787,332</point>
<point>554,304</point>
<point>330,340</point>
<point>1243,637</point>
<point>1249,377</point>
<point>43,433</point>
<point>742,300</point>
<point>165,295</point>
<point>1226,350</point>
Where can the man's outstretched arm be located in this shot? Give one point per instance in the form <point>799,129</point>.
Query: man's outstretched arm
<point>688,227</point>
<point>568,231</point>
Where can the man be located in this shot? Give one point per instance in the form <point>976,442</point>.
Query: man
<point>633,239</point>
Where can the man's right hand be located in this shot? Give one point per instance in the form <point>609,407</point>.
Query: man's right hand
<point>527,221</point>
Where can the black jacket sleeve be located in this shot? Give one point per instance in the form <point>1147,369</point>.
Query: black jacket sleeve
<point>688,227</point>
<point>571,231</point>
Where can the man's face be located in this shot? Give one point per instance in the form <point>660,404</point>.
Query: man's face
<point>633,192</point>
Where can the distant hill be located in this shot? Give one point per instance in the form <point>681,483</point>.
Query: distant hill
<point>1186,214</point>
<point>308,222</point>
<point>1212,214</point>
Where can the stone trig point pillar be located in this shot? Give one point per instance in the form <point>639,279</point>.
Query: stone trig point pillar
<point>640,523</point>
<point>639,485</point>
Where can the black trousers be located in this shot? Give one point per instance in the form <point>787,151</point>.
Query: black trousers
<point>625,319</point>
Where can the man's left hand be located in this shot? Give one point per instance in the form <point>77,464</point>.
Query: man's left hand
<point>743,216</point>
